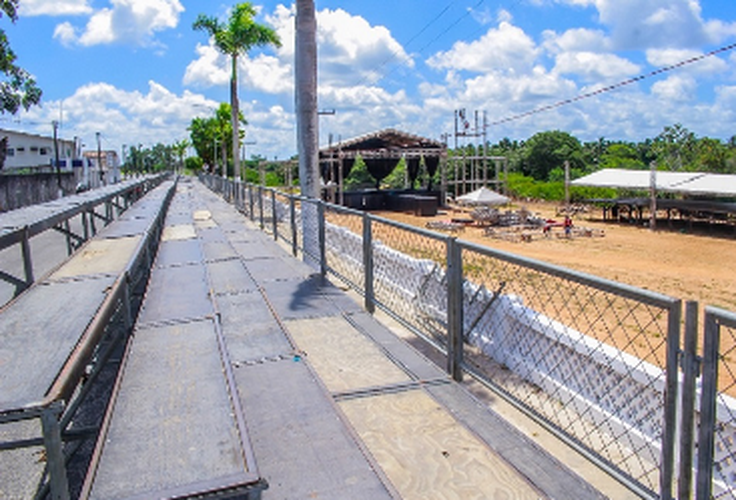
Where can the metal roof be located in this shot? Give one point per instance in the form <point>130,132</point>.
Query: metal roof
<point>698,183</point>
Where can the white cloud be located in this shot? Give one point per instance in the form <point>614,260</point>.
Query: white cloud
<point>65,33</point>
<point>575,40</point>
<point>675,88</point>
<point>595,67</point>
<point>655,23</point>
<point>128,21</point>
<point>669,57</point>
<point>209,69</point>
<point>54,7</point>
<point>506,48</point>
<point>350,50</point>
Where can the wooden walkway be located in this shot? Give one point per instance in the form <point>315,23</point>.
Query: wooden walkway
<point>247,370</point>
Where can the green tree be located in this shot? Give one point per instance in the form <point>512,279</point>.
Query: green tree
<point>675,148</point>
<point>236,37</point>
<point>18,88</point>
<point>179,148</point>
<point>359,176</point>
<point>546,151</point>
<point>621,155</point>
<point>712,155</point>
<point>397,178</point>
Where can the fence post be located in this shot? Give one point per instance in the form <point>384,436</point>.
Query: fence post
<point>454,310</point>
<point>54,452</point>
<point>322,238</point>
<point>706,436</point>
<point>274,222</point>
<point>260,207</point>
<point>292,216</point>
<point>667,466</point>
<point>691,371</point>
<point>25,244</point>
<point>251,210</point>
<point>370,304</point>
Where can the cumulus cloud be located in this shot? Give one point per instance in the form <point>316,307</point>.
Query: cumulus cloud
<point>668,57</point>
<point>127,21</point>
<point>575,40</point>
<point>675,88</point>
<point>54,8</point>
<point>595,67</point>
<point>350,50</point>
<point>506,48</point>
<point>655,23</point>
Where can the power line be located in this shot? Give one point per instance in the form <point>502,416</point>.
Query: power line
<point>615,86</point>
<point>395,54</point>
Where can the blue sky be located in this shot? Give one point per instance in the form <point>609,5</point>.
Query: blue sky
<point>135,71</point>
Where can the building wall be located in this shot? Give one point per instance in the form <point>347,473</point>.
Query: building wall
<point>33,151</point>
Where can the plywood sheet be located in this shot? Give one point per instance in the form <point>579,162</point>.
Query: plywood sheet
<point>201,215</point>
<point>344,359</point>
<point>108,256</point>
<point>427,454</point>
<point>178,232</point>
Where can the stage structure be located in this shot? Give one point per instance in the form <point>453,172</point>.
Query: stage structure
<point>468,172</point>
<point>381,152</point>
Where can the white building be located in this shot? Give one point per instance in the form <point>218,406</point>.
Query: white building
<point>103,165</point>
<point>30,151</point>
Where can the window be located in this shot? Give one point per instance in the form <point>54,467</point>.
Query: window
<point>11,152</point>
<point>34,149</point>
<point>21,149</point>
<point>43,151</point>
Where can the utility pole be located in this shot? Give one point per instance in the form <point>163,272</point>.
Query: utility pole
<point>307,124</point>
<point>55,124</point>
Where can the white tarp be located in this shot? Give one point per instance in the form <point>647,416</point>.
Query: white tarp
<point>482,196</point>
<point>678,182</point>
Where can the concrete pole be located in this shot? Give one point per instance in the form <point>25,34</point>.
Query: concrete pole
<point>307,125</point>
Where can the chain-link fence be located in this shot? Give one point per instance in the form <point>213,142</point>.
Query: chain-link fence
<point>598,363</point>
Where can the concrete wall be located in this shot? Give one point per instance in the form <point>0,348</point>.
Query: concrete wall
<point>18,191</point>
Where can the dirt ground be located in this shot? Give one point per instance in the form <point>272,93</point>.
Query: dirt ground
<point>699,266</point>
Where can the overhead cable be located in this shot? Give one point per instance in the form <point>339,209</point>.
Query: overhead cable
<point>618,85</point>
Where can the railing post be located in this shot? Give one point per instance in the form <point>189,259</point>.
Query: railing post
<point>709,391</point>
<point>454,310</point>
<point>370,304</point>
<point>54,452</point>
<point>687,417</point>
<point>260,207</point>
<point>25,244</point>
<point>294,235</point>
<point>274,222</point>
<point>667,465</point>
<point>321,238</point>
<point>251,203</point>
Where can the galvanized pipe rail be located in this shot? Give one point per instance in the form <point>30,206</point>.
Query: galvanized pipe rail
<point>65,325</point>
<point>19,226</point>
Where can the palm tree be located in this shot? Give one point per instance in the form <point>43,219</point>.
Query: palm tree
<point>235,37</point>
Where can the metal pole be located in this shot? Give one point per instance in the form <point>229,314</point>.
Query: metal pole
<point>670,410</point>
<point>709,391</point>
<point>687,417</point>
<point>454,310</point>
<point>292,217</point>
<point>54,452</point>
<point>274,221</point>
<point>370,303</point>
<point>260,208</point>
<point>321,238</point>
<point>27,260</point>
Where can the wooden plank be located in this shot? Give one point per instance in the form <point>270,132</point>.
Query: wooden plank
<point>108,256</point>
<point>427,454</point>
<point>344,359</point>
<point>178,232</point>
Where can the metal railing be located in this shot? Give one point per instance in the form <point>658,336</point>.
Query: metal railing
<point>598,363</point>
